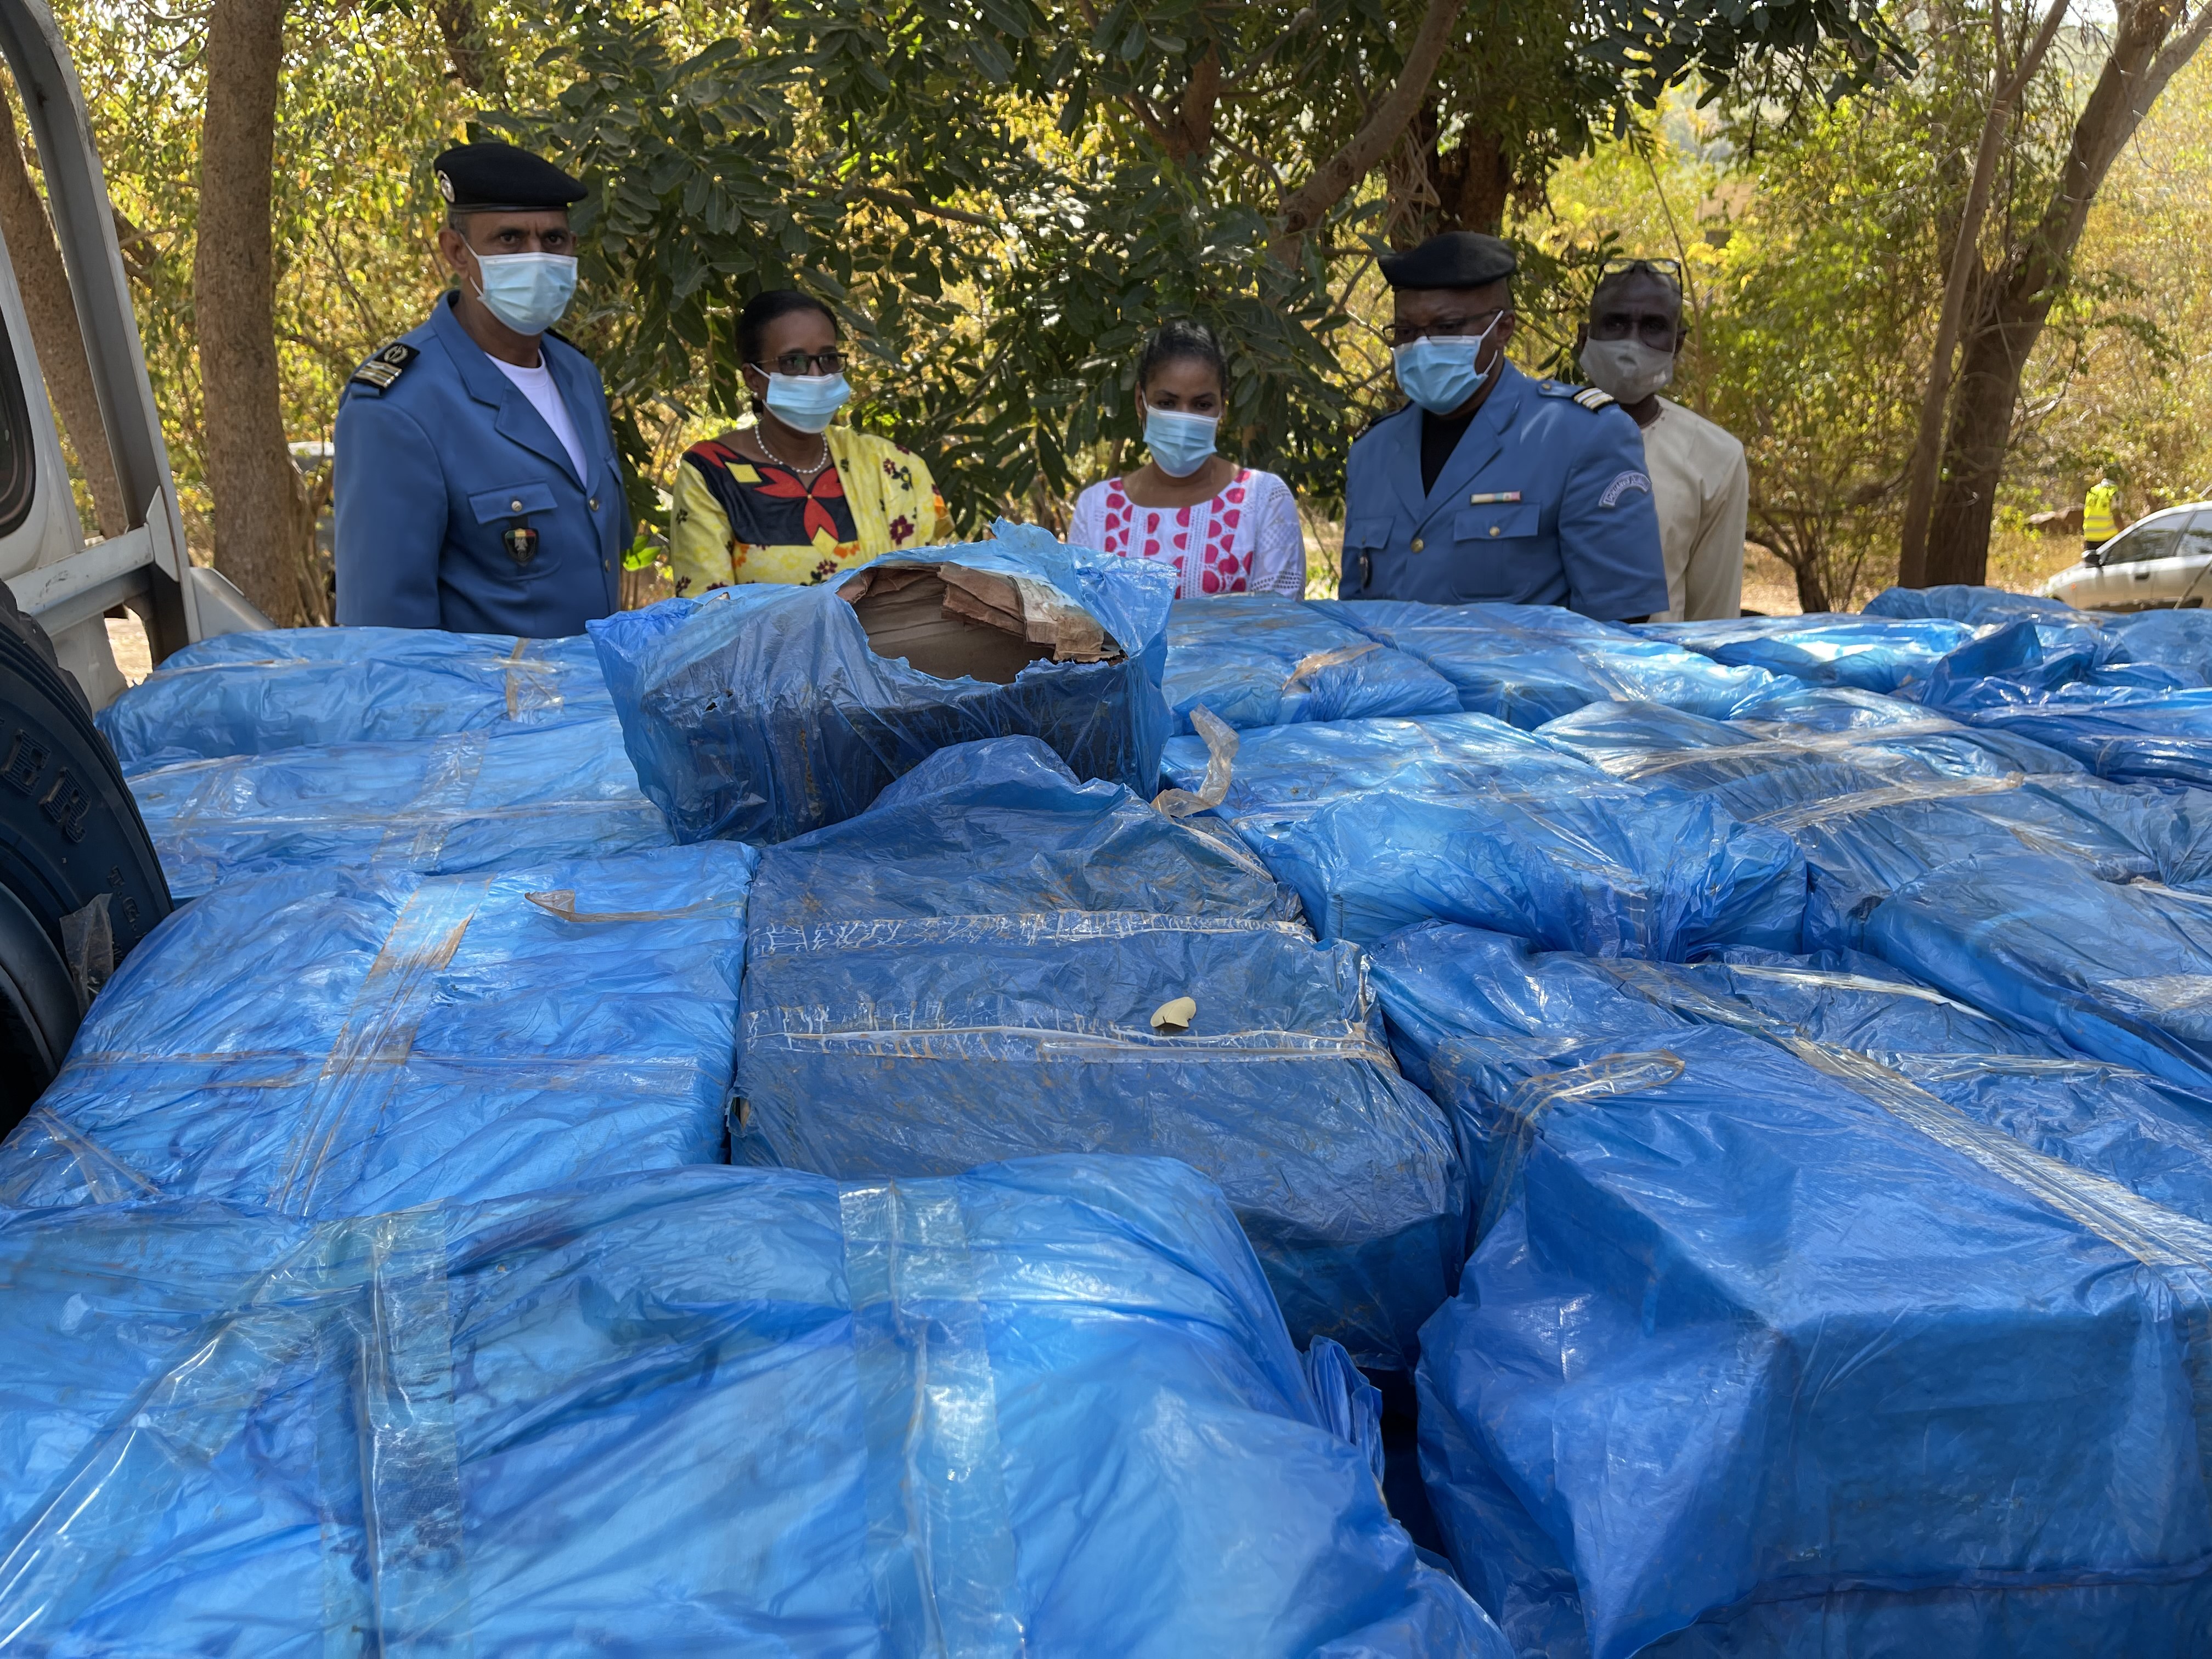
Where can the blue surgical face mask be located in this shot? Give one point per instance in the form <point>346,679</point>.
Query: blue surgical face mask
<point>1180,443</point>
<point>1439,374</point>
<point>807,402</point>
<point>527,291</point>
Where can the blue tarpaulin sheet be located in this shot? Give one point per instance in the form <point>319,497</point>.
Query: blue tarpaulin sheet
<point>970,970</point>
<point>2127,734</point>
<point>1258,660</point>
<point>2180,640</point>
<point>1527,664</point>
<point>1756,1327</point>
<point>247,693</point>
<point>761,712</point>
<point>1461,817</point>
<point>1039,1408</point>
<point>2118,971</point>
<point>1961,603</point>
<point>1875,653</point>
<point>339,1041</point>
<point>1873,808</point>
<point>438,805</point>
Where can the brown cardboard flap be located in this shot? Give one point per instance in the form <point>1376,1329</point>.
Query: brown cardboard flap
<point>952,622</point>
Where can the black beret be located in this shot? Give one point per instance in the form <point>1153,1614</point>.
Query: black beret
<point>499,177</point>
<point>1458,258</point>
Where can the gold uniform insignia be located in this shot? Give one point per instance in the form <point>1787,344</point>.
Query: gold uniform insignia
<point>386,365</point>
<point>1591,398</point>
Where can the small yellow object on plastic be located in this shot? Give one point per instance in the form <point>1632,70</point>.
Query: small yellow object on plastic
<point>1175,1017</point>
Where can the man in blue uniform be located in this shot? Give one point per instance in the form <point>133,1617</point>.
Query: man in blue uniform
<point>478,488</point>
<point>1490,485</point>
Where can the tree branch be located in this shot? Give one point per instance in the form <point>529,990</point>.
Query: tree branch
<point>1306,206</point>
<point>906,203</point>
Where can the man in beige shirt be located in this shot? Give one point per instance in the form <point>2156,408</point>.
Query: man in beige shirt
<point>1698,480</point>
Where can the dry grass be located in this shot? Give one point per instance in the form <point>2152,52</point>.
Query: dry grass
<point>2020,561</point>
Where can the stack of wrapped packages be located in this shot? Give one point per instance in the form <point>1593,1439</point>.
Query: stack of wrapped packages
<point>379,1277</point>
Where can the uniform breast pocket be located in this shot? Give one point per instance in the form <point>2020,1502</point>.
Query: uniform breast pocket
<point>1497,522</point>
<point>1364,539</point>
<point>518,517</point>
<point>1492,543</point>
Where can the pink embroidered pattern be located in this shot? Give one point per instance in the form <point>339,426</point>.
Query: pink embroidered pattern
<point>1166,533</point>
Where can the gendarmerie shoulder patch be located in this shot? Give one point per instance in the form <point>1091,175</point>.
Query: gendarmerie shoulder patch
<point>1591,398</point>
<point>386,365</point>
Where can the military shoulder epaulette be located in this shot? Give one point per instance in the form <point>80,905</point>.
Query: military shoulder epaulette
<point>1591,398</point>
<point>384,366</point>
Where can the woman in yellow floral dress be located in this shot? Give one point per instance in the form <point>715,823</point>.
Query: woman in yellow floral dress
<point>794,498</point>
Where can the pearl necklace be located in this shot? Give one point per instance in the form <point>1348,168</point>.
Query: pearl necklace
<point>760,438</point>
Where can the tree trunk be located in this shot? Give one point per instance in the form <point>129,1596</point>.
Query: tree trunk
<point>261,527</point>
<point>1432,190</point>
<point>1306,206</point>
<point>2017,299</point>
<point>462,30</point>
<point>50,308</point>
<point>1965,268</point>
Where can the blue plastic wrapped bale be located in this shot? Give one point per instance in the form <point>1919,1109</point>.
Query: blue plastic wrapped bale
<point>2027,661</point>
<point>2118,971</point>
<point>331,1043</point>
<point>1527,664</point>
<point>2180,640</point>
<point>436,805</point>
<point>1755,1328</point>
<point>1377,824</point>
<point>1886,720</point>
<point>290,688</point>
<point>1875,807</point>
<point>2132,735</point>
<point>985,964</point>
<point>2152,1137</point>
<point>1961,603</point>
<point>761,712</point>
<point>1041,1408</point>
<point>1875,653</point>
<point>1259,659</point>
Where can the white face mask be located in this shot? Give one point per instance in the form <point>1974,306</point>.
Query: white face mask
<point>527,291</point>
<point>1631,370</point>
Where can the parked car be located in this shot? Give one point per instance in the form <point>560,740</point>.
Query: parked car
<point>2158,563</point>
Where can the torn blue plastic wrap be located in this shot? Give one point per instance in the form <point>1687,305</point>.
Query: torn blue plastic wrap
<point>2133,736</point>
<point>1756,1327</point>
<point>1258,660</point>
<point>995,960</point>
<point>1874,653</point>
<point>1875,807</point>
<point>1039,1408</point>
<point>1527,664</point>
<point>248,694</point>
<point>763,711</point>
<point>2119,971</point>
<point>332,1043</point>
<point>436,805</point>
<point>1378,824</point>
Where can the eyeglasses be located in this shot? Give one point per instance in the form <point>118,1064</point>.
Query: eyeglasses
<point>1670,268</point>
<point>1402,334</point>
<point>797,362</point>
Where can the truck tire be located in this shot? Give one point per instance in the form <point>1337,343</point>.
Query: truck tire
<point>72,846</point>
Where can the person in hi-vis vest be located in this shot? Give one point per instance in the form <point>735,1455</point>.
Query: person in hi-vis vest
<point>2099,524</point>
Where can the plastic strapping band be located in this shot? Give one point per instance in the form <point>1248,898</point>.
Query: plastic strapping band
<point>1781,747</point>
<point>531,685</point>
<point>1615,1074</point>
<point>410,1462</point>
<point>1817,978</point>
<point>418,830</point>
<point>940,1547</point>
<point>379,1033</point>
<point>1221,742</point>
<point>107,1179</point>
<point>1315,661</point>
<point>1792,820</point>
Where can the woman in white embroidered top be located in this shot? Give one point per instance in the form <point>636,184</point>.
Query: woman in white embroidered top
<point>1224,528</point>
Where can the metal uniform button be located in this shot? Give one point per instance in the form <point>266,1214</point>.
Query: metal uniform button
<point>595,503</point>
<point>1417,543</point>
<point>515,506</point>
<point>1493,530</point>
